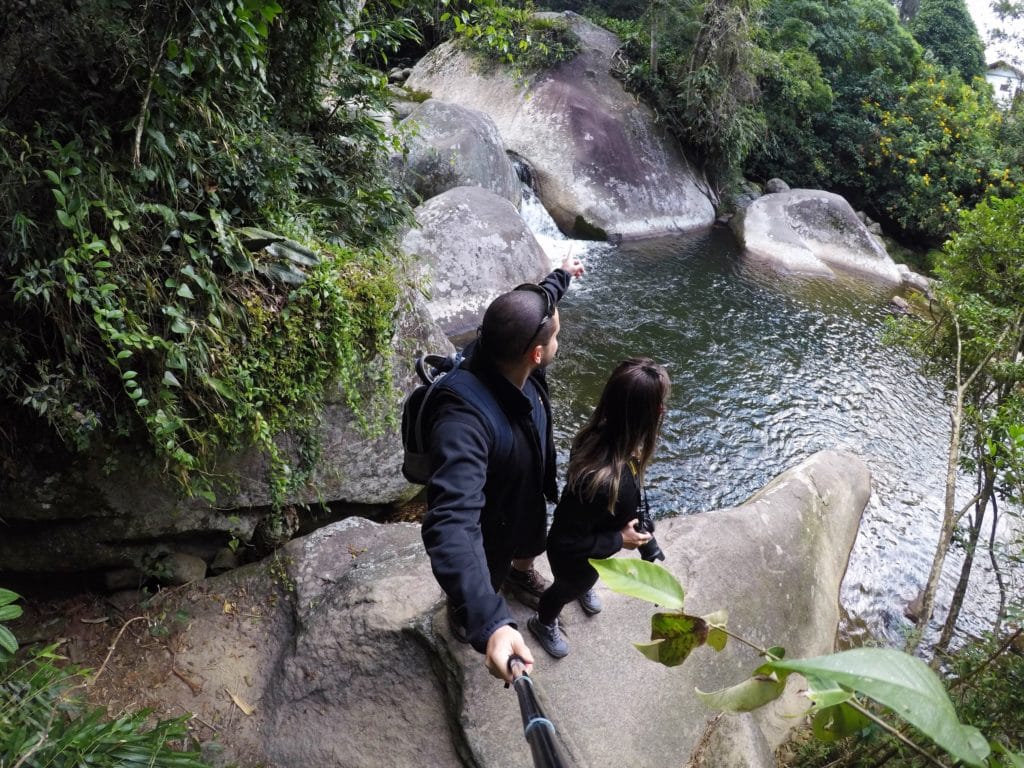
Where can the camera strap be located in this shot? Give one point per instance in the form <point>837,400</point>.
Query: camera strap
<point>645,508</point>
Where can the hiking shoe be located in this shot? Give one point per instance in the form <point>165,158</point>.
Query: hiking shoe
<point>590,602</point>
<point>455,625</point>
<point>525,586</point>
<point>549,636</point>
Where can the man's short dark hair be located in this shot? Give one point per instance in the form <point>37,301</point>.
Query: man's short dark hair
<point>509,323</point>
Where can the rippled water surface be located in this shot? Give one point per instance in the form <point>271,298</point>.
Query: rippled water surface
<point>766,371</point>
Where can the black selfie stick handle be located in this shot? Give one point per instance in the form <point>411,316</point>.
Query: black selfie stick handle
<point>538,730</point>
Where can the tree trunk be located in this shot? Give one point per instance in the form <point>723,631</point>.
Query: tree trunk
<point>957,601</point>
<point>948,525</point>
<point>654,40</point>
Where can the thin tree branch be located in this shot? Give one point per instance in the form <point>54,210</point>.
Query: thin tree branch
<point>113,645</point>
<point>896,734</point>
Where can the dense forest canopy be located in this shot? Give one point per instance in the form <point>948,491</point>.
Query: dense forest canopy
<point>197,223</point>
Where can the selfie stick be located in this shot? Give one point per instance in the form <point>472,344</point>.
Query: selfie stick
<point>539,731</point>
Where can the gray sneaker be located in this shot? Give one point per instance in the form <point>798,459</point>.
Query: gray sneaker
<point>549,636</point>
<point>590,602</point>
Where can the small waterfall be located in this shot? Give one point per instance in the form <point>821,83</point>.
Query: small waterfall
<point>556,245</point>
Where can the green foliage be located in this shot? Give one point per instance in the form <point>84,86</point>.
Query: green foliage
<point>44,723</point>
<point>902,683</point>
<point>945,28</point>
<point>989,675</point>
<point>619,9</point>
<point>133,303</point>
<point>8,612</point>
<point>854,107</point>
<point>841,686</point>
<point>697,65</point>
<point>981,291</point>
<point>512,35</point>
<point>828,60</point>
<point>640,579</point>
<point>935,153</point>
<point>977,331</point>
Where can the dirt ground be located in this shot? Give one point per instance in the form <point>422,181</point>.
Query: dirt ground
<point>133,645</point>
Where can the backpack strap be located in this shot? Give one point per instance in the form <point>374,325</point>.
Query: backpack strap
<point>471,389</point>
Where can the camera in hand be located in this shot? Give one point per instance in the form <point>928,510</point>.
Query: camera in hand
<point>645,524</point>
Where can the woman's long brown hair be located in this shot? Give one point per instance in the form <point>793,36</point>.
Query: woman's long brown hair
<point>624,425</point>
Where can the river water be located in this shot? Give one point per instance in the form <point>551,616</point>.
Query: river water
<point>765,371</point>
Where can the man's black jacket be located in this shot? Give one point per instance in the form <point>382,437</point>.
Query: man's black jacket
<point>482,508</point>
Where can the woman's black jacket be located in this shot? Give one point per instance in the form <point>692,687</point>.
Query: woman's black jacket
<point>583,529</point>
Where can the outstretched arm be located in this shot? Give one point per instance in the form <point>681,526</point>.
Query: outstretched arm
<point>573,266</point>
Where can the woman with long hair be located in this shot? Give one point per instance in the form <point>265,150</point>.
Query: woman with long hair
<point>598,511</point>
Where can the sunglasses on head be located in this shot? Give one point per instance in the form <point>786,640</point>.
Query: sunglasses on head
<point>549,309</point>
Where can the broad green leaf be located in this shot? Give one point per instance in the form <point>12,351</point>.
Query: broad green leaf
<point>651,650</point>
<point>638,578</point>
<point>176,358</point>
<point>676,635</point>
<point>7,640</point>
<point>222,388</point>
<point>255,238</point>
<point>825,693</point>
<point>752,693</point>
<point>7,596</point>
<point>184,291</point>
<point>717,637</point>
<point>171,380</point>
<point>160,140</point>
<point>65,220</point>
<point>837,722</point>
<point>9,612</point>
<point>236,260</point>
<point>904,684</point>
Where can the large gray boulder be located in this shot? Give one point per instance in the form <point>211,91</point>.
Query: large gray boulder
<point>95,517</point>
<point>471,245</point>
<point>808,231</point>
<point>601,164</point>
<point>454,146</point>
<point>340,647</point>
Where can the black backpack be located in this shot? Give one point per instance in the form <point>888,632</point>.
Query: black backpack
<point>435,370</point>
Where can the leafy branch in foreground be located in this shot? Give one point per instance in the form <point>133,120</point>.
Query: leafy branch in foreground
<point>43,722</point>
<point>848,690</point>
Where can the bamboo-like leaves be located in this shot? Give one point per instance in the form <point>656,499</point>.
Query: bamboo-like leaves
<point>8,611</point>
